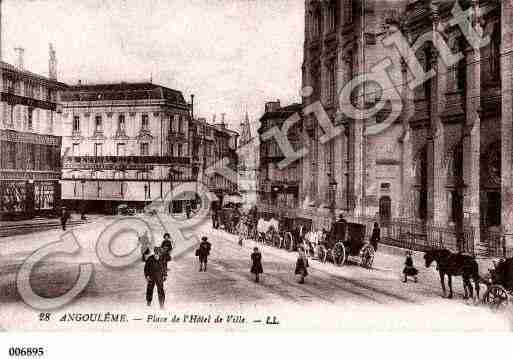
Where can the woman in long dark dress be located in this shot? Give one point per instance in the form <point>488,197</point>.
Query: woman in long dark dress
<point>409,270</point>
<point>301,265</point>
<point>256,267</point>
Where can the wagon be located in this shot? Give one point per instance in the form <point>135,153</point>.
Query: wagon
<point>499,292</point>
<point>356,246</point>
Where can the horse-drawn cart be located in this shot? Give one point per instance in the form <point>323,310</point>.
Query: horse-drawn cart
<point>355,246</point>
<point>500,285</point>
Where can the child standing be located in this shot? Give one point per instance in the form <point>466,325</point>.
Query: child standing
<point>409,269</point>
<point>301,265</point>
<point>256,267</point>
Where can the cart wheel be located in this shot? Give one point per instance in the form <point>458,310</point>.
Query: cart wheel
<point>288,241</point>
<point>339,254</point>
<point>496,297</point>
<point>277,240</point>
<point>320,252</point>
<point>367,256</point>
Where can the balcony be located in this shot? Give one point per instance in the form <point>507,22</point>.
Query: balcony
<point>177,136</point>
<point>121,163</point>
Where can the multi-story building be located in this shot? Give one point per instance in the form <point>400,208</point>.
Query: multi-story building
<point>279,188</point>
<point>124,143</point>
<point>211,144</point>
<point>446,159</point>
<point>459,138</point>
<point>354,172</point>
<point>30,142</point>
<point>248,152</point>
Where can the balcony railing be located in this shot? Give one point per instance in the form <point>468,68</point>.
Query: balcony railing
<point>177,136</point>
<point>87,161</point>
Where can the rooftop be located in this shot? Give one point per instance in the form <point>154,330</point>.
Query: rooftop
<point>122,91</point>
<point>4,66</point>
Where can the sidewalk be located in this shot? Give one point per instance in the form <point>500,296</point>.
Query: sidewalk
<point>40,224</point>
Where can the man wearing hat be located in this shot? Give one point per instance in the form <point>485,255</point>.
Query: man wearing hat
<point>338,230</point>
<point>202,253</point>
<point>155,276</point>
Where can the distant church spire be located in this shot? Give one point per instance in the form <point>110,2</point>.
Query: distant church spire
<point>245,136</point>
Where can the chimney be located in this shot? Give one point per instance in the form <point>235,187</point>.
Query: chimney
<point>79,82</point>
<point>192,106</point>
<point>52,63</point>
<point>20,52</point>
<point>213,118</point>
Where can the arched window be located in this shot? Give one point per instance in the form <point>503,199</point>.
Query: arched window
<point>385,209</point>
<point>495,59</point>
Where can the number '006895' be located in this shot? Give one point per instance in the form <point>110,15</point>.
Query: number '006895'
<point>22,352</point>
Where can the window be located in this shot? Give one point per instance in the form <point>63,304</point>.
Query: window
<point>98,123</point>
<point>385,186</point>
<point>179,149</point>
<point>332,84</point>
<point>121,149</point>
<point>495,45</point>
<point>76,149</point>
<point>145,149</point>
<point>76,124</point>
<point>330,18</point>
<point>144,122</point>
<point>98,149</point>
<point>8,84</point>
<point>29,89</point>
<point>121,123</point>
<point>348,11</point>
<point>30,118</point>
<point>180,124</point>
<point>172,150</point>
<point>50,121</point>
<point>142,175</point>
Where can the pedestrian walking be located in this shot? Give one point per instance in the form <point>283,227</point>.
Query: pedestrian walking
<point>215,224</point>
<point>301,265</point>
<point>155,276</point>
<point>188,210</point>
<point>409,269</point>
<point>375,238</point>
<point>256,266</point>
<point>64,218</point>
<point>167,247</point>
<point>203,252</point>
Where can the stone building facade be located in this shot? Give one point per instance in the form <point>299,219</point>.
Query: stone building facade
<point>30,142</point>
<point>124,143</point>
<point>356,172</point>
<point>445,160</point>
<point>459,129</point>
<point>279,188</point>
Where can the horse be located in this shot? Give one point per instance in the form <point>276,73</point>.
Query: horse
<point>455,264</point>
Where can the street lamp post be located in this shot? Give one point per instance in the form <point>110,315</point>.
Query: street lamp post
<point>332,186</point>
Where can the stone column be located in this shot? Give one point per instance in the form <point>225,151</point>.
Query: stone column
<point>506,117</point>
<point>407,205</point>
<point>472,141</point>
<point>436,179</point>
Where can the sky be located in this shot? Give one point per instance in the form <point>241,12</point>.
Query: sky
<point>231,54</point>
